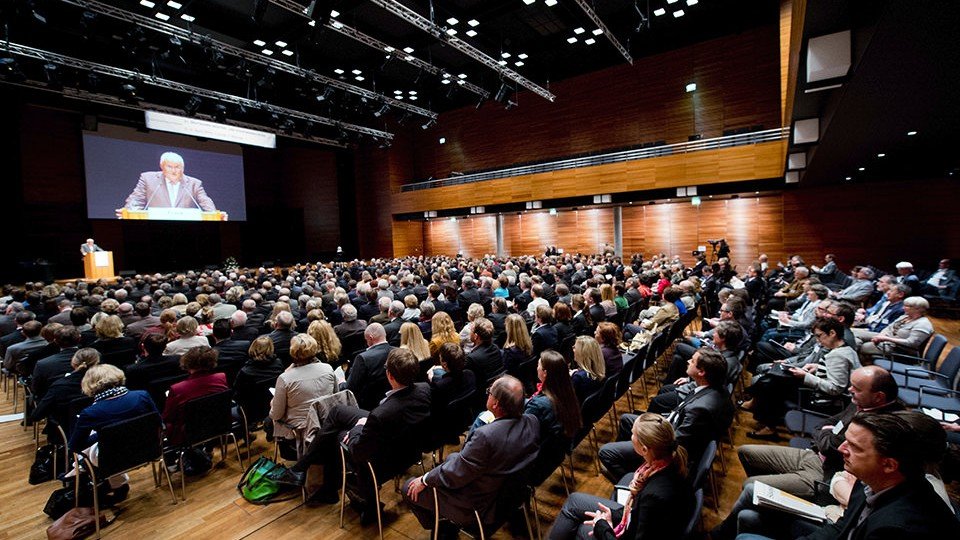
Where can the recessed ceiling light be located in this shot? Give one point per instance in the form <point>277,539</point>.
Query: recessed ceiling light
<point>571,40</point>
<point>452,20</point>
<point>671,1</point>
<point>445,81</point>
<point>472,33</point>
<point>408,50</point>
<point>357,71</point>
<point>174,5</point>
<point>334,13</point>
<point>691,87</point>
<point>399,97</point>
<point>597,31</point>
<point>413,98</point>
<point>579,30</point>
<point>389,49</point>
<point>452,31</point>
<point>550,3</point>
<point>443,140</point>
<point>519,64</point>
<point>677,14</point>
<point>528,2</point>
<point>281,44</point>
<point>462,75</point>
<point>692,2</point>
<point>861,169</point>
<point>460,82</point>
<point>312,23</point>
<point>590,41</point>
<point>408,58</point>
<point>911,133</point>
<point>398,92</point>
<point>259,42</point>
<point>287,52</point>
<point>267,52</point>
<point>848,178</point>
<point>522,56</point>
<point>147,3</point>
<point>473,22</point>
<point>162,16</point>
<point>446,75</point>
<point>505,55</point>
<point>659,11</point>
<point>881,155</point>
<point>336,24</point>
<point>413,92</point>
<point>338,71</point>
<point>502,62</point>
<point>188,18</point>
<point>359,78</point>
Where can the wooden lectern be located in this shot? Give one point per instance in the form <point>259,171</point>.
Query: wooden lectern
<point>98,264</point>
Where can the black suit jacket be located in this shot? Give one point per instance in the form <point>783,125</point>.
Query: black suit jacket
<point>580,325</point>
<point>484,361</point>
<point>392,329</point>
<point>911,509</point>
<point>58,397</point>
<point>390,436</point>
<point>140,375</point>
<point>702,417</point>
<point>367,378</point>
<point>543,338</point>
<point>467,297</point>
<point>245,333</point>
<point>232,355</point>
<point>661,509</point>
<point>281,344</point>
<point>50,369</point>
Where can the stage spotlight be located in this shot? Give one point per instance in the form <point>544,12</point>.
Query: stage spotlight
<point>384,144</point>
<point>93,81</point>
<point>10,69</point>
<point>342,137</point>
<point>430,123</point>
<point>52,75</point>
<point>308,128</point>
<point>327,94</point>
<point>266,80</point>
<point>287,126</point>
<point>220,112</point>
<point>192,105</point>
<point>129,93</point>
<point>384,109</point>
<point>502,93</point>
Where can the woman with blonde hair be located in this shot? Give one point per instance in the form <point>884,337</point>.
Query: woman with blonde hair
<point>442,331</point>
<point>589,377</point>
<point>608,300</point>
<point>328,344</point>
<point>411,338</point>
<point>474,312</point>
<point>518,346</point>
<point>304,381</point>
<point>660,499</point>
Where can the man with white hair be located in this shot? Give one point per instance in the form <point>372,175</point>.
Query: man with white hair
<point>907,277</point>
<point>168,188</point>
<point>350,325</point>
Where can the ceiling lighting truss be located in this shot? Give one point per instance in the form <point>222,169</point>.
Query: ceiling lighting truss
<point>606,31</point>
<point>207,41</point>
<point>439,33</point>
<point>76,63</point>
<point>375,43</point>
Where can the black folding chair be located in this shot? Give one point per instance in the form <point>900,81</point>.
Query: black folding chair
<point>122,447</point>
<point>207,418</point>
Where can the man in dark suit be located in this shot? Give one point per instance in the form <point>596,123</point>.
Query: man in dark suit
<point>16,336</point>
<point>282,334</point>
<point>367,378</point>
<point>887,453</point>
<point>231,352</point>
<point>593,299</point>
<point>351,324</point>
<point>703,416</point>
<point>32,341</point>
<point>57,365</point>
<point>152,364</point>
<point>240,329</point>
<point>136,329</point>
<point>472,479</point>
<point>89,247</point>
<point>486,359</point>
<point>544,335</point>
<point>370,307</point>
<point>392,328</point>
<point>168,188</point>
<point>387,435</point>
<point>498,316</point>
<point>469,294</point>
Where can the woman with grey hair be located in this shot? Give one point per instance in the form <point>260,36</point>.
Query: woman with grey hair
<point>906,335</point>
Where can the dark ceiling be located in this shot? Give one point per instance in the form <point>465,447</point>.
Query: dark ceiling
<point>531,39</point>
<point>905,78</point>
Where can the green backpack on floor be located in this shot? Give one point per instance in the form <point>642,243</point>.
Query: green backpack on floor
<point>259,486</point>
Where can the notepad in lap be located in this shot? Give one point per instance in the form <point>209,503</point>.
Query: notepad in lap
<point>770,497</point>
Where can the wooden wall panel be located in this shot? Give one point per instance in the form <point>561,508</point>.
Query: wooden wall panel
<point>760,161</point>
<point>634,232</point>
<point>408,237</point>
<point>658,219</point>
<point>478,235</point>
<point>738,85</point>
<point>442,237</point>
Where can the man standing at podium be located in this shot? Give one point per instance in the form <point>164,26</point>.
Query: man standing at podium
<point>168,188</point>
<point>89,247</point>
